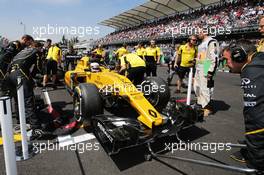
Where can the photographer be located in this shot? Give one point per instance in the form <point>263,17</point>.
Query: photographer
<point>242,58</point>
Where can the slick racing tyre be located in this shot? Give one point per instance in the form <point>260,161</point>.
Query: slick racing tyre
<point>87,102</point>
<point>156,91</point>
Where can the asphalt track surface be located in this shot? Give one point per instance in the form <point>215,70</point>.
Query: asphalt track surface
<point>225,126</point>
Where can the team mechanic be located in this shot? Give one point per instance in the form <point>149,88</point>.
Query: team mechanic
<point>21,66</point>
<point>99,53</point>
<point>152,57</point>
<point>121,51</point>
<point>140,50</point>
<point>242,58</point>
<point>186,54</point>
<point>135,67</point>
<point>6,56</point>
<point>53,60</point>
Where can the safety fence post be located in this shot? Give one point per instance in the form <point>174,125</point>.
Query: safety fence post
<point>26,152</point>
<point>7,134</point>
<point>189,92</point>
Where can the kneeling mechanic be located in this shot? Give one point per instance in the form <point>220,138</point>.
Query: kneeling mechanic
<point>135,67</point>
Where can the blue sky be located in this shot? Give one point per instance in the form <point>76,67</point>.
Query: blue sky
<point>59,13</point>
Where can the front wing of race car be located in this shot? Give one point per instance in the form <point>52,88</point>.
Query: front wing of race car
<point>116,133</point>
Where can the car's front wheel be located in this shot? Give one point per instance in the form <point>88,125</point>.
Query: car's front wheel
<point>87,102</point>
<point>156,92</point>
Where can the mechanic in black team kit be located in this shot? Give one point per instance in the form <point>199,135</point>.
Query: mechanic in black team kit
<point>21,66</point>
<point>242,58</point>
<point>6,56</point>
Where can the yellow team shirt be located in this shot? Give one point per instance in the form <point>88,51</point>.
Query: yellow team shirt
<point>133,59</point>
<point>54,53</point>
<point>121,51</point>
<point>154,52</point>
<point>84,61</point>
<point>140,51</point>
<point>187,54</point>
<point>99,52</point>
<point>85,58</point>
<point>260,47</point>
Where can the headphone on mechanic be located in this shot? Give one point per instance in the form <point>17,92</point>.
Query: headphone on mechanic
<point>238,53</point>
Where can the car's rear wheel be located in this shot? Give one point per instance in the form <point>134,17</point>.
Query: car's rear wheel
<point>87,102</point>
<point>156,92</point>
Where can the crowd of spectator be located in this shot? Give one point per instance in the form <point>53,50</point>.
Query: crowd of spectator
<point>235,14</point>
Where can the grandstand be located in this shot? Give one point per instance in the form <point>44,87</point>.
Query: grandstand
<point>159,19</point>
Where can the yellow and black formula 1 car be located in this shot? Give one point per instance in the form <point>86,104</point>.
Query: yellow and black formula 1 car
<point>95,88</point>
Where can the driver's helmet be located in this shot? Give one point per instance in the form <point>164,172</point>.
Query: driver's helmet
<point>95,67</point>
